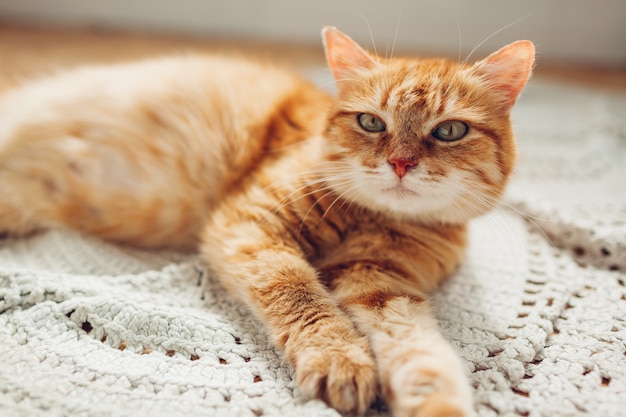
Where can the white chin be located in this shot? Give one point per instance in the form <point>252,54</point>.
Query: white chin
<point>403,201</point>
<point>400,193</point>
<point>406,204</point>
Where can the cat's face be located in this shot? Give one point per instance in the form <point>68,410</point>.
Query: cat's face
<point>423,139</point>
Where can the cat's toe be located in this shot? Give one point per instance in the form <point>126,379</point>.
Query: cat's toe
<point>430,393</point>
<point>344,377</point>
<point>433,405</point>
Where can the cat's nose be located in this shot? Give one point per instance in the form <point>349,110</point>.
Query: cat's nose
<point>401,166</point>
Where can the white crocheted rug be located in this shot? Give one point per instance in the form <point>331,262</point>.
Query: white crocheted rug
<point>537,312</point>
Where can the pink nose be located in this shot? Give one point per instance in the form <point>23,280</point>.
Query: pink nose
<point>401,166</point>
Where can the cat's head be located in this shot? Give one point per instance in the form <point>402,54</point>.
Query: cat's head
<point>424,139</point>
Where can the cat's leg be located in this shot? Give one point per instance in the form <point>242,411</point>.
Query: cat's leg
<point>258,261</point>
<point>419,372</point>
<point>17,217</point>
<point>16,221</point>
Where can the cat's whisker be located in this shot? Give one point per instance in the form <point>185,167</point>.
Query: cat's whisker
<point>303,221</point>
<point>340,196</point>
<point>395,36</point>
<point>331,188</point>
<point>532,219</point>
<point>320,170</point>
<point>295,145</point>
<point>384,80</point>
<point>307,183</point>
<point>463,64</point>
<point>458,70</point>
<point>469,193</point>
<point>325,85</point>
<point>348,199</point>
<point>311,208</point>
<point>481,43</point>
<point>458,28</point>
<point>369,29</point>
<point>484,187</point>
<point>357,81</point>
<point>289,200</point>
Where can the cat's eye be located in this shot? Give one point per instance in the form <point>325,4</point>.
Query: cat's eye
<point>450,131</point>
<point>370,123</point>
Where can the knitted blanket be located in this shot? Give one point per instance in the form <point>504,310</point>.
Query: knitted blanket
<point>537,311</point>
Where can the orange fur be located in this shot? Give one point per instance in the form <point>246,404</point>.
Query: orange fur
<point>296,207</point>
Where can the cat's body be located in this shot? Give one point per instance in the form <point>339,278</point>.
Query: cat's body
<point>147,154</point>
<point>330,226</point>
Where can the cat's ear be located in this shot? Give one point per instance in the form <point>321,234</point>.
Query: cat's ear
<point>345,57</point>
<point>508,70</point>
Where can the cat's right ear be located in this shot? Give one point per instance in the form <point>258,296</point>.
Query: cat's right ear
<point>345,57</point>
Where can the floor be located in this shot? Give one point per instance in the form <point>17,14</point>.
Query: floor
<point>33,50</point>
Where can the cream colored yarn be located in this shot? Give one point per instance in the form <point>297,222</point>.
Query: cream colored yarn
<point>537,311</point>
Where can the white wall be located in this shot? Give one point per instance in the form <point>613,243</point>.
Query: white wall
<point>592,31</point>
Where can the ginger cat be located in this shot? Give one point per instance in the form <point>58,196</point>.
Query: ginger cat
<point>332,218</point>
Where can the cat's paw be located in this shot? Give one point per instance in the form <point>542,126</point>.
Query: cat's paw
<point>428,392</point>
<point>344,376</point>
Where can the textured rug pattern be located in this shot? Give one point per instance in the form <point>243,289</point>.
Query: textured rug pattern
<point>537,311</point>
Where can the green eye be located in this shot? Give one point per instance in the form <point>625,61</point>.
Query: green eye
<point>370,123</point>
<point>450,131</point>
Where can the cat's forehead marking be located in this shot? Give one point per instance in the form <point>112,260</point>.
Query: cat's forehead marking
<point>415,97</point>
<point>418,100</point>
<point>416,104</point>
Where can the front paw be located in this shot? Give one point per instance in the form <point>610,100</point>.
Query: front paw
<point>425,391</point>
<point>342,374</point>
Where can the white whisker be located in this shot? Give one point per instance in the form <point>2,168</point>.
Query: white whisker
<point>369,29</point>
<point>487,203</point>
<point>340,196</point>
<point>458,28</point>
<point>467,58</point>
<point>303,221</point>
<point>288,199</point>
<point>395,37</point>
<point>516,21</point>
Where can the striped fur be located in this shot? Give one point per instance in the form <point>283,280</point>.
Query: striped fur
<point>294,206</point>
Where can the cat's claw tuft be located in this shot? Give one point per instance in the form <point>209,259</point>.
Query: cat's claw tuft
<point>344,377</point>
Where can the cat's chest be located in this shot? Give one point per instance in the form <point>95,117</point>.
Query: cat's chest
<point>355,233</point>
<point>420,252</point>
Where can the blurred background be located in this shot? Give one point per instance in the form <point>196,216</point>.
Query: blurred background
<point>574,37</point>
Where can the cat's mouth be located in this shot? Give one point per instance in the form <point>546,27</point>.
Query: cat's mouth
<point>400,191</point>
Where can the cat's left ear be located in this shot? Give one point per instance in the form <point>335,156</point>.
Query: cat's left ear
<point>508,70</point>
<point>345,57</point>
